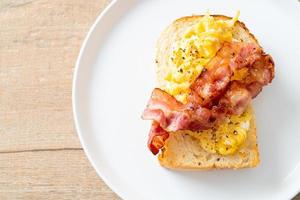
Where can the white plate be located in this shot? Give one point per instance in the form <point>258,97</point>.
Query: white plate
<point>115,75</point>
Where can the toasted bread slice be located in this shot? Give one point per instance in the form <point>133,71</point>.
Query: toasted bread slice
<point>182,151</point>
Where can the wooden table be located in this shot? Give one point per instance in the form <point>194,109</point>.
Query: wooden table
<point>40,155</point>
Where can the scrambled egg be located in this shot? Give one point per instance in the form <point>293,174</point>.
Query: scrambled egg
<point>227,138</point>
<point>197,47</point>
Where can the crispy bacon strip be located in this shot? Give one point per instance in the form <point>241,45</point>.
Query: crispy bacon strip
<point>235,101</point>
<point>215,94</point>
<point>212,84</point>
<point>173,115</point>
<point>157,138</point>
<point>166,110</point>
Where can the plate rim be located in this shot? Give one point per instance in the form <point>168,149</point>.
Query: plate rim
<point>74,100</point>
<point>75,111</point>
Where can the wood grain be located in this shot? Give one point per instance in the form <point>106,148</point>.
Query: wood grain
<point>55,174</point>
<point>39,44</point>
<point>40,155</point>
